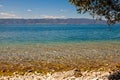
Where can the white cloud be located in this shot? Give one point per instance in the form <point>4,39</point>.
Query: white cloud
<point>1,6</point>
<point>11,11</point>
<point>36,17</point>
<point>8,15</point>
<point>52,17</point>
<point>29,10</point>
<point>61,10</point>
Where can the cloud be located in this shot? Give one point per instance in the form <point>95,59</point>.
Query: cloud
<point>52,17</point>
<point>29,10</point>
<point>63,10</point>
<point>8,15</point>
<point>1,6</point>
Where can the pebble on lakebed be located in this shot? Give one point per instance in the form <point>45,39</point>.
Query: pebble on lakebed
<point>65,75</point>
<point>61,59</point>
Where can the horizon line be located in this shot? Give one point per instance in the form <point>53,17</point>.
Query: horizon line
<point>48,18</point>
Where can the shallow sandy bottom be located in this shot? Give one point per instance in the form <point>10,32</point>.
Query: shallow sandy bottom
<point>44,58</point>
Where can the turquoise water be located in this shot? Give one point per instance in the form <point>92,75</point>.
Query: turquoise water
<point>27,34</point>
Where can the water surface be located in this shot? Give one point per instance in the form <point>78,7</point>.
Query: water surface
<point>30,34</point>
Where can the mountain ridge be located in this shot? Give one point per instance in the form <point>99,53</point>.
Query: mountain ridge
<point>50,21</point>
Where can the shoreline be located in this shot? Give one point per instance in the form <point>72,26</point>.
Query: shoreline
<point>60,43</point>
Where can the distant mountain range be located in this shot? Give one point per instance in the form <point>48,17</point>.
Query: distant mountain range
<point>49,21</point>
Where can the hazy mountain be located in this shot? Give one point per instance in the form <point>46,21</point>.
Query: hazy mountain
<point>49,21</point>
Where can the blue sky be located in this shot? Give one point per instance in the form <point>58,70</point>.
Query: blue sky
<point>38,9</point>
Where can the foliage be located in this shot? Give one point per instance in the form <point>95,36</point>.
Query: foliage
<point>109,9</point>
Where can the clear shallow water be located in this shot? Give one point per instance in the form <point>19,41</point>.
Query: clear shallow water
<point>27,34</point>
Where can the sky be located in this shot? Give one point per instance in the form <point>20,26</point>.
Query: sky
<point>30,9</point>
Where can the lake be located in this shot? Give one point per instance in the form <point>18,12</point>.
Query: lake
<point>60,47</point>
<point>27,34</point>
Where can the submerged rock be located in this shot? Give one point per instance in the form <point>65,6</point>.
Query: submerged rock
<point>114,76</point>
<point>68,75</point>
